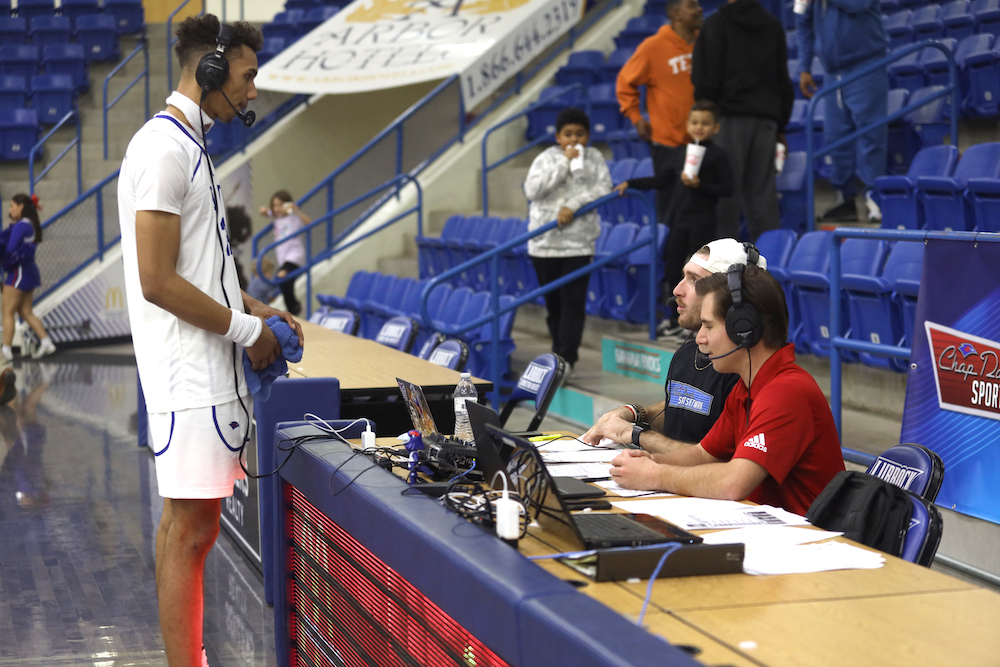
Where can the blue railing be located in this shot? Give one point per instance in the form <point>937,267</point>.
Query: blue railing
<point>830,87</point>
<point>396,128</point>
<point>335,247</point>
<point>838,342</point>
<point>32,181</point>
<point>142,46</point>
<point>493,257</point>
<point>171,40</point>
<point>487,167</point>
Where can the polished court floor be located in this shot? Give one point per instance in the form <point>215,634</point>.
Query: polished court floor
<point>78,514</point>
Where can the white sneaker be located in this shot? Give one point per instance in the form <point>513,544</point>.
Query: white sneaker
<point>567,374</point>
<point>874,212</point>
<point>8,353</point>
<point>45,349</point>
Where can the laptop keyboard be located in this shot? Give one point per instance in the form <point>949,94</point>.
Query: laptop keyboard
<point>614,527</point>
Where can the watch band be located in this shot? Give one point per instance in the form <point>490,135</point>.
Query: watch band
<point>636,432</point>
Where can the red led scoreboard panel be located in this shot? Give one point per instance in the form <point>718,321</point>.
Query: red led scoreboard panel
<point>350,608</point>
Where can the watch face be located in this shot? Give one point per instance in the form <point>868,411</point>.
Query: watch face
<point>636,432</point>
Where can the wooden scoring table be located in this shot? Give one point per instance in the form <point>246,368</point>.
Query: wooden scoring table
<point>901,614</point>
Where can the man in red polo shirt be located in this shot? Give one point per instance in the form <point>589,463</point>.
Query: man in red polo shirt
<point>776,442</point>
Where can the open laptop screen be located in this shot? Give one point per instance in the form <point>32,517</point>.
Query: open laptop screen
<point>420,411</point>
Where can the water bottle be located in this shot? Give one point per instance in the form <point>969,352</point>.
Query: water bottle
<point>464,391</point>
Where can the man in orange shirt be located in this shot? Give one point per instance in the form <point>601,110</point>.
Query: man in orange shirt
<point>663,64</point>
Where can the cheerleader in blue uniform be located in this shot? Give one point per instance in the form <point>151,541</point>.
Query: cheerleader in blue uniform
<point>20,241</point>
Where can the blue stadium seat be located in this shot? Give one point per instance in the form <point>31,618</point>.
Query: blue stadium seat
<point>47,30</point>
<point>19,131</point>
<point>272,47</point>
<point>793,74</point>
<point>958,21</point>
<point>935,63</point>
<point>344,321</point>
<point>987,15</point>
<point>436,301</point>
<point>130,17</point>
<point>791,189</point>
<point>614,279</point>
<point>357,292</point>
<point>899,28</point>
<point>285,24</point>
<point>637,212</point>
<point>542,117</point>
<point>454,247</point>
<point>220,138</point>
<point>515,267</point>
<point>980,86</point>
<point>604,114</point>
<point>388,292</point>
<point>795,130</point>
<point>410,304</point>
<point>619,210</point>
<point>927,23</point>
<point>53,96</point>
<point>637,274</point>
<point>13,31</point>
<point>317,16</point>
<point>498,232</point>
<point>430,249</point>
<point>889,6</point>
<point>907,72</point>
<point>393,304</point>
<point>431,341</point>
<point>537,383</point>
<point>776,246</point>
<point>304,5</point>
<point>900,140</point>
<point>319,313</point>
<point>983,196</point>
<point>616,60</point>
<point>811,253</point>
<point>482,349</point>
<point>792,44</point>
<point>98,34</point>
<point>583,67</point>
<point>930,122</point>
<point>898,195</point>
<point>72,9</point>
<point>905,283</point>
<point>945,204</point>
<point>452,307</point>
<point>19,61</point>
<point>398,333</point>
<point>29,9</point>
<point>863,257</point>
<point>595,286</point>
<point>452,353</point>
<point>636,30</point>
<point>625,143</point>
<point>927,466</point>
<point>924,533</point>
<point>13,92</point>
<point>65,59</point>
<point>477,305</point>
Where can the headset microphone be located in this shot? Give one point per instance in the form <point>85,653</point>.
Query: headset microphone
<point>671,302</point>
<point>248,118</point>
<point>701,356</point>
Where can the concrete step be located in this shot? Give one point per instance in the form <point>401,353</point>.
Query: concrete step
<point>403,267</point>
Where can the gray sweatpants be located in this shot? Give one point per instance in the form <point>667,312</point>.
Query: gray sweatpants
<point>749,143</point>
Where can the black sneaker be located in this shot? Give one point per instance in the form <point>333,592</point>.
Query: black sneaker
<point>846,211</point>
<point>667,328</point>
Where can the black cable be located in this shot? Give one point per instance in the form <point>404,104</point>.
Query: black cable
<point>749,380</point>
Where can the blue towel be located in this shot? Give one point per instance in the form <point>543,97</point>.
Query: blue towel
<point>259,382</point>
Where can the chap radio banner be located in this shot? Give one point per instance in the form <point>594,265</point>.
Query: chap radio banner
<point>953,392</point>
<point>376,44</point>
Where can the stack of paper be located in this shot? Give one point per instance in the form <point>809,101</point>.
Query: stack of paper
<point>803,558</point>
<point>706,514</point>
<point>580,470</point>
<point>613,486</point>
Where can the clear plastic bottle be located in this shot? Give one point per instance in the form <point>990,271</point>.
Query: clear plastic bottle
<point>464,391</point>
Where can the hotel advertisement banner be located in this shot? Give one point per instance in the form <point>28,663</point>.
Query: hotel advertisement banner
<point>376,44</point>
<point>953,389</point>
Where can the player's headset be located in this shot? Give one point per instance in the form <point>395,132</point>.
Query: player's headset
<point>213,71</point>
<point>743,324</point>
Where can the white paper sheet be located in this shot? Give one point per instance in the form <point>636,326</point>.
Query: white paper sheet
<point>590,456</point>
<point>805,558</point>
<point>766,537</point>
<point>613,486</point>
<point>707,514</point>
<point>563,445</point>
<point>580,470</point>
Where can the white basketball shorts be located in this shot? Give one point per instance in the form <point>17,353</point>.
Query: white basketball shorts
<point>197,450</point>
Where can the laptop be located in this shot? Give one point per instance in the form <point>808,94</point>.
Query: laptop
<point>490,458</point>
<point>420,414</point>
<point>528,474</point>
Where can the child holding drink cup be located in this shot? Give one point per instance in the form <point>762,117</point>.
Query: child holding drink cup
<point>704,169</point>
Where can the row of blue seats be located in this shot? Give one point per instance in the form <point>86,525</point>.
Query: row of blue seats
<point>957,19</point>
<point>880,285</point>
<point>52,95</point>
<point>45,30</point>
<point>19,132</point>
<point>97,34</point>
<point>129,15</point>
<point>378,298</point>
<point>619,290</point>
<point>26,61</point>
<point>943,192</point>
<point>292,24</point>
<point>978,60</point>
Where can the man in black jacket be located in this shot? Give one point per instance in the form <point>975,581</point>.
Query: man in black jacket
<point>740,62</point>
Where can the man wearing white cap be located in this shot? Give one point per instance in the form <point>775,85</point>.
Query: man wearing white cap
<point>694,392</point>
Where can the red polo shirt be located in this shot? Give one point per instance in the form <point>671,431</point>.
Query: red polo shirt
<point>790,432</point>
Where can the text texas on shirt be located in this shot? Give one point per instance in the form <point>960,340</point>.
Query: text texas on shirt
<point>966,371</point>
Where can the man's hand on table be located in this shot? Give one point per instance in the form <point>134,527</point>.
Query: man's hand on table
<point>610,425</point>
<point>635,469</point>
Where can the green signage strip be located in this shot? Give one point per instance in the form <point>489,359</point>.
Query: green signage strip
<point>635,360</point>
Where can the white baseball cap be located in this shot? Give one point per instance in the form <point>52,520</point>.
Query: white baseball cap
<point>723,253</point>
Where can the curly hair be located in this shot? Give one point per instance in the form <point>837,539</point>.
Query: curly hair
<point>197,36</point>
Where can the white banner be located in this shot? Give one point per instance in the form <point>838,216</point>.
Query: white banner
<point>376,44</point>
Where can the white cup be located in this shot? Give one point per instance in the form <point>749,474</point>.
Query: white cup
<point>780,153</point>
<point>692,161</point>
<point>576,164</point>
<point>289,208</point>
<point>800,6</point>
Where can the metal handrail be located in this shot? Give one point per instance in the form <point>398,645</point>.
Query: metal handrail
<point>837,341</point>
<point>71,114</point>
<point>143,46</point>
<point>829,88</point>
<point>493,257</point>
<point>487,167</point>
<point>171,40</point>
<point>396,183</point>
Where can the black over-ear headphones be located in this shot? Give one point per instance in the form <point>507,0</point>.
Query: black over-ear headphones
<point>743,324</point>
<point>213,68</point>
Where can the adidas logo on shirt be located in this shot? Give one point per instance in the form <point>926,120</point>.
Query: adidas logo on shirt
<point>757,442</point>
